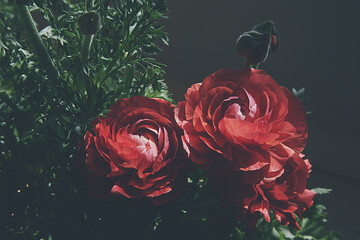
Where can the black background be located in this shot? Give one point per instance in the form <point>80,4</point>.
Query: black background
<point>320,46</point>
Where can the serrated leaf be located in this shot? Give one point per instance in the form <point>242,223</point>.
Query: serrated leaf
<point>285,230</point>
<point>299,92</point>
<point>47,32</point>
<point>306,237</point>
<point>321,191</point>
<point>275,233</point>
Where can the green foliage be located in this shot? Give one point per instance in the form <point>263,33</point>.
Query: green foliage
<point>43,118</point>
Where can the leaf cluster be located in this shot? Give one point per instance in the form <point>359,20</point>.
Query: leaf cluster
<point>43,118</point>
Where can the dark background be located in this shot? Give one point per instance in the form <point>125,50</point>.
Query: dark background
<point>320,46</point>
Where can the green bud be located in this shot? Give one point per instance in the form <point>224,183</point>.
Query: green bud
<point>89,23</point>
<point>258,43</point>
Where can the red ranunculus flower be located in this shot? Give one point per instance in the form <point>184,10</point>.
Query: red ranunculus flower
<point>247,132</point>
<point>285,196</point>
<point>137,151</point>
<point>242,121</point>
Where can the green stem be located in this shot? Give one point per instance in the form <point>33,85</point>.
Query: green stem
<point>36,42</point>
<point>256,66</point>
<point>85,49</point>
<point>114,60</point>
<point>119,52</point>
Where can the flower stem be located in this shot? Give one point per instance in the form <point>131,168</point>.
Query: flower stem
<point>36,42</point>
<point>114,60</point>
<point>85,49</point>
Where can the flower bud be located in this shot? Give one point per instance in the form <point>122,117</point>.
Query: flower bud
<point>89,23</point>
<point>256,44</point>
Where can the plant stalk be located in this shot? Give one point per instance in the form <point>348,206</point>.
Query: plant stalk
<point>85,49</point>
<point>36,42</point>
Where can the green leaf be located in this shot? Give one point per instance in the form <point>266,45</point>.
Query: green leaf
<point>275,233</point>
<point>285,230</point>
<point>47,32</point>
<point>321,191</point>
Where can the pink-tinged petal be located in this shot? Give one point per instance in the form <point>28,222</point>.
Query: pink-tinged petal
<point>280,216</point>
<point>116,190</point>
<point>193,140</point>
<point>210,143</point>
<point>162,158</point>
<point>101,146</point>
<point>216,100</point>
<point>277,192</point>
<point>138,183</point>
<point>234,111</point>
<point>135,113</point>
<point>296,112</point>
<point>192,98</point>
<point>285,131</point>
<point>263,207</point>
<point>279,154</point>
<point>308,165</point>
<point>297,117</point>
<point>296,171</point>
<point>124,155</point>
<point>192,94</point>
<point>242,132</point>
<point>179,113</point>
<point>189,112</point>
<point>250,160</point>
<point>160,192</point>
<point>292,221</point>
<point>185,145</point>
<point>272,176</point>
<point>286,207</point>
<point>197,123</point>
<point>116,170</point>
<point>306,198</point>
<point>253,107</point>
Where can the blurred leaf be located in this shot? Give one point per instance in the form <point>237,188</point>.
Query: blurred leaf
<point>321,191</point>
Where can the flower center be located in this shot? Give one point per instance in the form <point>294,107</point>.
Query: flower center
<point>146,147</point>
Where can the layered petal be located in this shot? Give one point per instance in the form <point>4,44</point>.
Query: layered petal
<point>231,113</point>
<point>137,151</point>
<point>247,133</point>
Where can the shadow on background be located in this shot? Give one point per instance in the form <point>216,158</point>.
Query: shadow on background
<point>319,51</point>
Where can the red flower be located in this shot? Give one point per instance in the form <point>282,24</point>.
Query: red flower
<point>247,132</point>
<point>285,196</point>
<point>243,122</point>
<point>137,152</point>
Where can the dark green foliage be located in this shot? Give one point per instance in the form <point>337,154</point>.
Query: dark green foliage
<point>42,119</point>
